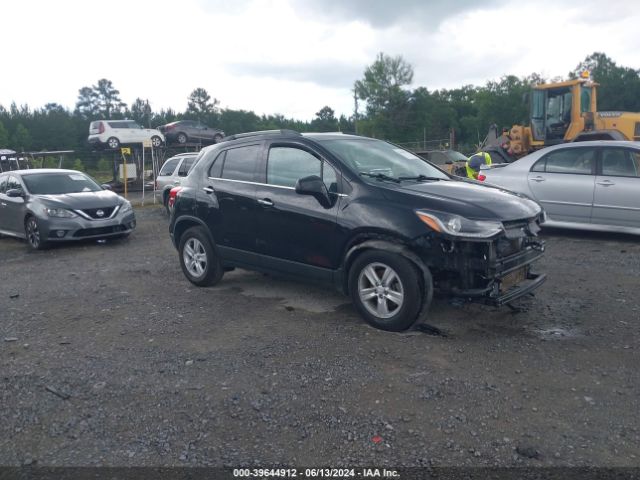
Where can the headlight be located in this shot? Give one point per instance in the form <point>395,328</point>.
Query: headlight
<point>460,226</point>
<point>59,212</point>
<point>125,207</point>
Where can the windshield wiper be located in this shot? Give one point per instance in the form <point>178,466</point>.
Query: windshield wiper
<point>421,178</point>
<point>380,176</point>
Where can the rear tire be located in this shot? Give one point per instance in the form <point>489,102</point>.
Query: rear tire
<point>182,138</point>
<point>198,258</point>
<point>165,202</point>
<point>217,138</point>
<point>156,141</point>
<point>386,289</point>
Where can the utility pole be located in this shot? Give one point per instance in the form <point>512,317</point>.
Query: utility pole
<point>355,112</point>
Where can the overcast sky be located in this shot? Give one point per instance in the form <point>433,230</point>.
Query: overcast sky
<point>293,56</point>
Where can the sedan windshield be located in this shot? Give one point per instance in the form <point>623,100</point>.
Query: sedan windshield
<point>378,160</point>
<point>59,183</point>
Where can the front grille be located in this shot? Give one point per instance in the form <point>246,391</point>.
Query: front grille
<point>90,232</point>
<point>93,212</point>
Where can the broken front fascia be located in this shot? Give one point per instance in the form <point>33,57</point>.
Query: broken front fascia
<point>494,270</point>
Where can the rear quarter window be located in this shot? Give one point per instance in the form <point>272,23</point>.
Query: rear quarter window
<point>168,167</point>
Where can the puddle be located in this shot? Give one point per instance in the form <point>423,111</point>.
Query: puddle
<point>557,333</point>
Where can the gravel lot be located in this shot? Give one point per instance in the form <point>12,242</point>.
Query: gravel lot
<point>110,357</point>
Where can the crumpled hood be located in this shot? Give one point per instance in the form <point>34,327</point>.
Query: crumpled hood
<point>469,199</point>
<point>82,200</point>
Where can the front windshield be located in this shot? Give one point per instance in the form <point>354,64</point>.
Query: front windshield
<point>59,183</point>
<point>371,157</point>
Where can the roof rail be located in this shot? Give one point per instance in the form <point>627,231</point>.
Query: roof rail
<point>261,132</point>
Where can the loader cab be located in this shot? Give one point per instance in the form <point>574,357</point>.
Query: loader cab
<point>557,110</point>
<point>551,114</point>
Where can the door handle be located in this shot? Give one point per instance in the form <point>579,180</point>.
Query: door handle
<point>208,190</point>
<point>266,202</point>
<point>606,183</point>
<point>538,179</point>
<point>176,182</point>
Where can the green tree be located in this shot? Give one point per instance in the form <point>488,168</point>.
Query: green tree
<point>619,86</point>
<point>141,112</point>
<point>200,103</point>
<point>78,165</point>
<point>101,100</point>
<point>108,98</point>
<point>87,104</point>
<point>21,139</point>
<point>4,136</point>
<point>387,103</point>
<point>325,120</point>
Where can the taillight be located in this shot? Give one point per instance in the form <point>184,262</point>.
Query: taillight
<point>482,177</point>
<point>173,193</point>
<point>100,127</point>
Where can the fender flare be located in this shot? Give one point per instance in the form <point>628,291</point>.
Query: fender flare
<point>191,220</point>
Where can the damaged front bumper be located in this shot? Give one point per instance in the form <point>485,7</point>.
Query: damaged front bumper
<point>494,271</point>
<point>507,279</point>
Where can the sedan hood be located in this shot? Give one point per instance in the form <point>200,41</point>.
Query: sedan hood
<point>82,200</point>
<point>479,202</point>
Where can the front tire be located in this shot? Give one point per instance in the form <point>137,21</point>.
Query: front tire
<point>32,233</point>
<point>386,289</point>
<point>198,259</point>
<point>113,143</point>
<point>217,138</point>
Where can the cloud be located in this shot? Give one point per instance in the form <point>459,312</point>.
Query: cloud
<point>385,13</point>
<point>324,73</point>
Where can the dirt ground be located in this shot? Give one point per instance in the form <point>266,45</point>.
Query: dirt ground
<point>108,356</point>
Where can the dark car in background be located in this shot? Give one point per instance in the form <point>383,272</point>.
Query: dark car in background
<point>451,161</point>
<point>372,219</point>
<point>190,131</point>
<point>52,205</point>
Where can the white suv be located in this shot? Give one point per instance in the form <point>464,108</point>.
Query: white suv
<point>113,133</point>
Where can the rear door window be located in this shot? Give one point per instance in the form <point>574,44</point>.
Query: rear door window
<point>3,183</point>
<point>240,163</point>
<point>620,162</point>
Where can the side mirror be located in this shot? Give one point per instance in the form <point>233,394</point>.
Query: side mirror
<point>15,193</point>
<point>449,162</point>
<point>106,186</point>
<point>314,186</point>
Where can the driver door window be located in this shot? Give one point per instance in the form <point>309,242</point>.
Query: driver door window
<point>285,166</point>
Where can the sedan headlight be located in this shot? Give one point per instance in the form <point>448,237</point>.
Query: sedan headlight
<point>125,207</point>
<point>460,226</point>
<point>59,213</point>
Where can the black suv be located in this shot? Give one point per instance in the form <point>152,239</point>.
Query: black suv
<point>381,224</point>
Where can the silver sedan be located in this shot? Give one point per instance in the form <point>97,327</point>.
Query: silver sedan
<point>46,205</point>
<point>585,185</point>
